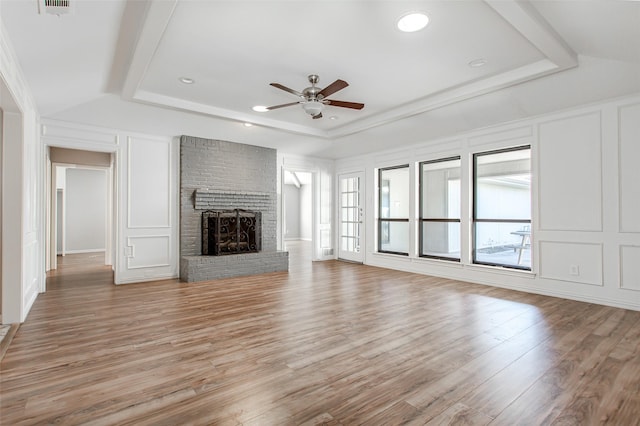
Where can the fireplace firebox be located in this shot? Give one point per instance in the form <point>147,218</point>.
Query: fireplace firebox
<point>231,232</point>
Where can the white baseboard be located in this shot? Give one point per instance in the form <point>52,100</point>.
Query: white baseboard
<point>84,251</point>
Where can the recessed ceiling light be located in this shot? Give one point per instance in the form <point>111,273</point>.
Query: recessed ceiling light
<point>477,63</point>
<point>186,80</point>
<point>260,108</point>
<point>333,117</point>
<point>248,124</point>
<point>411,22</point>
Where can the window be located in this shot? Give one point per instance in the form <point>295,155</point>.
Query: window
<point>502,208</point>
<point>440,209</point>
<point>393,210</point>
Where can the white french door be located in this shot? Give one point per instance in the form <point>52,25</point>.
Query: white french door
<point>351,231</point>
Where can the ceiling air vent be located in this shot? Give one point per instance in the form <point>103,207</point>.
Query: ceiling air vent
<point>55,7</point>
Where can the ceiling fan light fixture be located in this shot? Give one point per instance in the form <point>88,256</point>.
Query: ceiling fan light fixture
<point>313,108</point>
<point>314,99</point>
<point>412,22</point>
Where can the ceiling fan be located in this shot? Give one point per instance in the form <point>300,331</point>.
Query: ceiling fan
<point>314,99</point>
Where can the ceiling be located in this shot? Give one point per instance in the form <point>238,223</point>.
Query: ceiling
<point>117,64</point>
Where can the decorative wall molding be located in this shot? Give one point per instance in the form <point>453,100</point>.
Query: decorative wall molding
<point>154,251</point>
<point>567,201</point>
<point>572,262</point>
<point>628,170</point>
<point>630,267</point>
<point>149,183</point>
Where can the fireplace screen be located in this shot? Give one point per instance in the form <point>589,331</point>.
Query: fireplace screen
<point>230,232</point>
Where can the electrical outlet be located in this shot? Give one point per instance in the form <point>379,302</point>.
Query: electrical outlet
<point>574,270</point>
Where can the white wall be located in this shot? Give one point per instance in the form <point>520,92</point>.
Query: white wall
<point>306,226</point>
<point>22,193</point>
<point>585,206</point>
<point>85,210</point>
<point>60,249</point>
<point>291,212</point>
<point>146,176</point>
<point>298,210</point>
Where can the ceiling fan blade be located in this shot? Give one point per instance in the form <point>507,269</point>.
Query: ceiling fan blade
<point>286,89</point>
<point>319,115</point>
<point>333,88</point>
<point>282,106</point>
<point>343,104</point>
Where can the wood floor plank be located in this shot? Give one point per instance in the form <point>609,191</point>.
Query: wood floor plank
<point>326,343</point>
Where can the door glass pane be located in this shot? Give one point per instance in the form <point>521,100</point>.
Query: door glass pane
<point>503,243</point>
<point>344,243</point>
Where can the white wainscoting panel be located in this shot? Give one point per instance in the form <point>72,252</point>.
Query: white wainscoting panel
<point>630,267</point>
<point>149,183</point>
<point>629,121</point>
<point>574,262</point>
<point>149,251</point>
<point>570,174</point>
<point>149,206</point>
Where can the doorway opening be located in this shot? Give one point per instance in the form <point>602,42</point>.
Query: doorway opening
<point>81,212</point>
<point>298,216</point>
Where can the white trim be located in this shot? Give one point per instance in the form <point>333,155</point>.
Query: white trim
<point>95,250</point>
<point>520,15</point>
<point>155,23</point>
<point>619,111</point>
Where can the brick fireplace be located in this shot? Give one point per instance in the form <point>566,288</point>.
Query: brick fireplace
<point>219,177</point>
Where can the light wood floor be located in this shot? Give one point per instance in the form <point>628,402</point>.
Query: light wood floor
<point>328,342</point>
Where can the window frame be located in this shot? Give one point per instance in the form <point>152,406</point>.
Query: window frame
<point>474,210</point>
<point>388,220</point>
<point>422,220</point>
